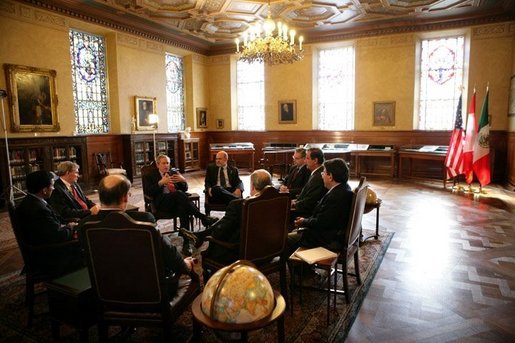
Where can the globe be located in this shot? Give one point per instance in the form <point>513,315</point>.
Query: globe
<point>371,197</point>
<point>238,293</point>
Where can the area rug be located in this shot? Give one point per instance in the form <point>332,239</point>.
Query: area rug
<point>307,324</point>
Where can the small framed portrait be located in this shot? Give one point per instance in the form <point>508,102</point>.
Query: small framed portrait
<point>201,117</point>
<point>145,106</point>
<point>219,123</point>
<point>287,112</point>
<point>32,98</point>
<point>511,110</point>
<point>384,113</point>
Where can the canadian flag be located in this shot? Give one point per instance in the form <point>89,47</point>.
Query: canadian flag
<point>470,137</point>
<point>481,164</point>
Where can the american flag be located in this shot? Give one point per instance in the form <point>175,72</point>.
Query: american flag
<point>454,158</point>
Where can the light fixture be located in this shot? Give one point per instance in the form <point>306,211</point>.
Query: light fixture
<point>153,119</point>
<point>270,42</point>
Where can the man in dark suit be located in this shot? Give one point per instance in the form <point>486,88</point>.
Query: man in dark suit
<point>68,199</point>
<point>41,225</point>
<point>330,215</point>
<point>298,176</point>
<point>222,182</point>
<point>168,187</point>
<point>113,192</point>
<point>314,189</point>
<point>227,229</point>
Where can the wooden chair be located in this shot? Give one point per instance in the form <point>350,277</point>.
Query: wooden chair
<point>31,254</point>
<point>106,166</point>
<point>350,243</point>
<point>263,235</point>
<point>125,264</point>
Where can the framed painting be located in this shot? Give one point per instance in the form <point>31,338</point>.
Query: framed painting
<point>287,112</point>
<point>219,123</point>
<point>384,113</point>
<point>145,106</point>
<point>511,110</point>
<point>33,98</point>
<point>201,117</point>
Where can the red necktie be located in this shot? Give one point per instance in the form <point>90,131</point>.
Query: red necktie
<point>78,198</point>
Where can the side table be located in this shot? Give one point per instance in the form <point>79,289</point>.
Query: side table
<point>71,301</point>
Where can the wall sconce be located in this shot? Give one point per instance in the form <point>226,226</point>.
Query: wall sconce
<point>153,120</point>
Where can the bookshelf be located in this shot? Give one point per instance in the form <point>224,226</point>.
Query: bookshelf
<point>189,156</point>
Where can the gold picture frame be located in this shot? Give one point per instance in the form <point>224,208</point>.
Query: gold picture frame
<point>511,108</point>
<point>219,123</point>
<point>287,112</point>
<point>384,113</point>
<point>201,117</point>
<point>32,98</point>
<point>144,107</point>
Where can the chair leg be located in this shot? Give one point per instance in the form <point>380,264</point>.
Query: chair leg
<point>29,297</point>
<point>167,333</point>
<point>356,266</point>
<point>102,332</point>
<point>345,281</point>
<point>284,287</point>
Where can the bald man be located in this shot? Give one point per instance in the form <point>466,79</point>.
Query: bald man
<point>113,192</point>
<point>222,182</point>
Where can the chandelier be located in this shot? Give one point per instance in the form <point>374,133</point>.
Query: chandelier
<point>260,44</point>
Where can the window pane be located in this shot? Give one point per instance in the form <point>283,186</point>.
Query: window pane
<point>175,93</point>
<point>89,83</point>
<point>250,83</point>
<point>441,77</point>
<point>336,89</point>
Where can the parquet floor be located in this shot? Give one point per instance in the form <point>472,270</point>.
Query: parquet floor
<point>448,275</point>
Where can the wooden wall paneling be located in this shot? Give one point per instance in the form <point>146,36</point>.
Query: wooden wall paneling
<point>510,160</point>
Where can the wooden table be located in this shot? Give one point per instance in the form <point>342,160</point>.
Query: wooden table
<point>71,300</point>
<point>420,155</point>
<point>362,155</point>
<point>277,315</point>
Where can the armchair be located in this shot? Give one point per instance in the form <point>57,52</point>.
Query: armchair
<point>126,269</point>
<point>262,237</point>
<point>106,166</point>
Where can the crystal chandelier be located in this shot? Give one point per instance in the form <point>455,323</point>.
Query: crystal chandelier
<point>260,44</point>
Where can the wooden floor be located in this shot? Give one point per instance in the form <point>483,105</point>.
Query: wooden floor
<point>448,275</point>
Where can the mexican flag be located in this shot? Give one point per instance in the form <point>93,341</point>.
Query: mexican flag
<point>482,147</point>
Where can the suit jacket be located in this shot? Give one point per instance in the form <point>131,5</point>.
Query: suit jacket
<point>173,260</point>
<point>232,173</point>
<point>312,192</point>
<point>227,229</point>
<point>152,189</point>
<point>41,225</point>
<point>295,183</point>
<point>330,215</point>
<point>64,203</point>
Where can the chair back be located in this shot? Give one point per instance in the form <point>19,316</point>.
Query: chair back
<point>125,264</point>
<point>18,233</point>
<point>264,226</point>
<point>357,209</point>
<point>105,165</point>
<point>145,172</point>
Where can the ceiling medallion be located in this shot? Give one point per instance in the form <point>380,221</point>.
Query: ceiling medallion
<point>260,44</point>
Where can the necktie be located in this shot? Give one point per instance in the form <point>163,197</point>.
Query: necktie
<point>294,174</point>
<point>223,183</point>
<point>78,198</point>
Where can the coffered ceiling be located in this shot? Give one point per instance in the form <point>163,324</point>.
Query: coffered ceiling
<point>210,26</point>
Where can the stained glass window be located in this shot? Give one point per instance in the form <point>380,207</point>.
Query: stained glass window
<point>440,79</point>
<point>89,83</point>
<point>175,93</point>
<point>335,88</point>
<point>250,80</point>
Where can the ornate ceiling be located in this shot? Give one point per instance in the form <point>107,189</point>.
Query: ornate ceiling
<point>210,26</point>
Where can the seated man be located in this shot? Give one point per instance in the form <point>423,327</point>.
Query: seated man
<point>298,175</point>
<point>222,182</point>
<point>68,199</point>
<point>314,189</point>
<point>42,225</point>
<point>227,229</point>
<point>113,192</point>
<point>330,215</point>
<point>167,188</point>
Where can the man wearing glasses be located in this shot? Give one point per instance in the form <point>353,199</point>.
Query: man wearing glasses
<point>298,176</point>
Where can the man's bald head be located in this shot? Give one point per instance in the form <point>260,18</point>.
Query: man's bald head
<point>221,158</point>
<point>113,190</point>
<point>259,179</point>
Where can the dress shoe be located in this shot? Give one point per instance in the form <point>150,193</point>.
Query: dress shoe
<point>208,221</point>
<point>188,236</point>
